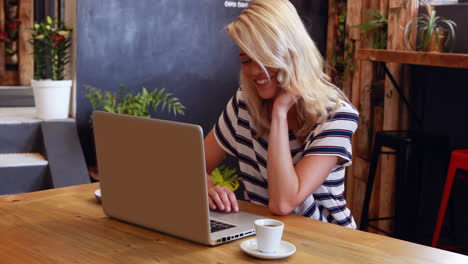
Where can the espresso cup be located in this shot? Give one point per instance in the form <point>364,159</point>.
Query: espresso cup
<point>269,234</point>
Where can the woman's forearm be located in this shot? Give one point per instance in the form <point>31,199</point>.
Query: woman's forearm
<point>283,183</point>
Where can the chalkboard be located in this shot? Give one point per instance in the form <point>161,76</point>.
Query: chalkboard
<point>180,45</point>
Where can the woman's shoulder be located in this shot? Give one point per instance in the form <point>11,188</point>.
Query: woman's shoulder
<point>345,108</point>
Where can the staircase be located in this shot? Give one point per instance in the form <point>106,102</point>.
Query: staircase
<point>36,154</point>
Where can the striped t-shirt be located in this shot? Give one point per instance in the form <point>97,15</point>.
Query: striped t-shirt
<point>235,132</point>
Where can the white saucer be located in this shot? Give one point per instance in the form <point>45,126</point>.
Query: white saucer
<point>250,247</point>
<point>97,193</point>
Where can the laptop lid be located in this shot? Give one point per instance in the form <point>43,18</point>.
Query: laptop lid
<point>152,174</point>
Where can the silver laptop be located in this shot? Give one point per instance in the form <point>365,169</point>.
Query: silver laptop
<point>152,174</point>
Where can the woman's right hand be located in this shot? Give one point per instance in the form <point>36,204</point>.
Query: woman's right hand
<point>221,198</point>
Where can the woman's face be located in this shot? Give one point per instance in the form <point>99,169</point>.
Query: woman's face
<point>267,88</point>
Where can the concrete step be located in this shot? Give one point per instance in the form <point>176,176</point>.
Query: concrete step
<point>20,130</point>
<point>57,140</point>
<point>18,115</point>
<point>16,96</point>
<point>23,172</point>
<point>22,160</point>
<point>21,138</point>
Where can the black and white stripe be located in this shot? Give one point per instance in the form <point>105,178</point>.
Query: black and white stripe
<point>235,132</point>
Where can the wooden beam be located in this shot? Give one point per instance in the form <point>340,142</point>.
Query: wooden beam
<point>25,51</point>
<point>451,60</point>
<point>383,7</point>
<point>70,20</point>
<point>353,18</point>
<point>376,199</point>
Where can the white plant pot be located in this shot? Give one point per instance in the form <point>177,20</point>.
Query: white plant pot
<point>52,98</point>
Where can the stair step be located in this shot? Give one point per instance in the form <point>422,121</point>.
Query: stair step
<point>18,115</point>
<point>16,96</point>
<point>22,160</point>
<point>14,180</point>
<point>21,138</point>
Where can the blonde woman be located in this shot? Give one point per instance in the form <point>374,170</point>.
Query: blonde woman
<point>288,126</point>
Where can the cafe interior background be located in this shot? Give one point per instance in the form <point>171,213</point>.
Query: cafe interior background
<point>121,46</point>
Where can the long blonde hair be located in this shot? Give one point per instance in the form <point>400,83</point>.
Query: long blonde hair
<point>271,33</point>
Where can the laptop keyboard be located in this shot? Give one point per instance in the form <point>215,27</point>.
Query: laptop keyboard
<point>218,226</point>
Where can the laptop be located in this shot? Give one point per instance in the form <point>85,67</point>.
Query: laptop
<point>152,174</point>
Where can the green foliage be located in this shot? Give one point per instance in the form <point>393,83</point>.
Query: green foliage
<point>225,176</point>
<point>51,41</point>
<point>138,104</point>
<point>377,26</point>
<point>429,26</point>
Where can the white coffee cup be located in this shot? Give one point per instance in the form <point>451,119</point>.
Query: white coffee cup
<point>269,234</point>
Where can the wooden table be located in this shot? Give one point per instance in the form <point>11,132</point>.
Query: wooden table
<point>67,225</point>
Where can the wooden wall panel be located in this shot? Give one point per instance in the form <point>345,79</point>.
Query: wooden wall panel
<point>376,200</point>
<point>70,19</point>
<point>400,11</point>
<point>354,14</point>
<point>391,116</point>
<point>25,50</point>
<point>10,78</point>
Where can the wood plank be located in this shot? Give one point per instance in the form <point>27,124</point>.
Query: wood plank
<point>390,120</point>
<point>57,9</point>
<point>356,76</point>
<point>376,200</point>
<point>70,20</point>
<point>364,106</point>
<point>360,187</point>
<point>360,148</point>
<point>75,229</point>
<point>10,78</point>
<point>25,50</point>
<point>383,7</point>
<point>350,192</point>
<point>2,45</point>
<point>360,170</point>
<point>331,34</point>
<point>450,60</point>
<point>395,4</point>
<point>353,18</point>
<point>347,84</point>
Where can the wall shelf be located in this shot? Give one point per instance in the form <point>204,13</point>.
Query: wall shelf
<point>451,60</point>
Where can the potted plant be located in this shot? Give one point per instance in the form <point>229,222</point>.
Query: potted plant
<point>136,104</point>
<point>51,41</point>
<point>429,32</point>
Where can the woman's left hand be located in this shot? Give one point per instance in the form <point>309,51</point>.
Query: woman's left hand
<point>284,101</point>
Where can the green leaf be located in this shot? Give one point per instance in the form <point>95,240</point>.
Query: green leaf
<point>224,176</point>
<point>137,104</point>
